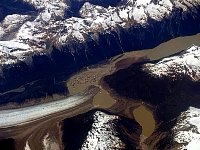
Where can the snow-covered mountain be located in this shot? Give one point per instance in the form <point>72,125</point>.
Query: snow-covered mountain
<point>103,133</point>
<point>186,132</point>
<point>184,67</point>
<point>186,64</point>
<point>100,130</point>
<point>156,80</point>
<point>172,86</point>
<point>55,35</point>
<point>51,25</point>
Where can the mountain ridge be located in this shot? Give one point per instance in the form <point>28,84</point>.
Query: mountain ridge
<point>51,40</point>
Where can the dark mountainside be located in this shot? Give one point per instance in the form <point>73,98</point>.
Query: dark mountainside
<point>43,42</point>
<point>59,60</point>
<point>111,131</point>
<point>171,90</point>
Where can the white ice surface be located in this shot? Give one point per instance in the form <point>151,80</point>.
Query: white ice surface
<point>15,117</point>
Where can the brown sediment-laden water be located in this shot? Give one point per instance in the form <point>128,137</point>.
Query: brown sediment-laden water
<point>146,119</point>
<point>103,99</point>
<point>40,134</point>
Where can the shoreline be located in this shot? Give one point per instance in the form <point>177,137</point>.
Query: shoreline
<point>138,103</point>
<point>122,106</point>
<point>149,53</point>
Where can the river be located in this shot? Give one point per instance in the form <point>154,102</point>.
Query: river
<point>105,99</point>
<point>92,76</point>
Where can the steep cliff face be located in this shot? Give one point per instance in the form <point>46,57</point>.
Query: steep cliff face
<point>63,36</point>
<point>100,130</point>
<point>172,86</point>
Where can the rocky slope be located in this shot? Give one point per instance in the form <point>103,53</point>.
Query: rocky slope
<point>50,37</point>
<point>178,73</point>
<point>172,86</point>
<point>181,133</point>
<point>100,130</point>
<point>186,64</point>
<point>186,133</point>
<point>7,144</point>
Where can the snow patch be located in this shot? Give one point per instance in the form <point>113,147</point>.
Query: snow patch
<point>27,147</point>
<point>187,129</point>
<point>187,63</point>
<point>52,25</point>
<point>102,134</point>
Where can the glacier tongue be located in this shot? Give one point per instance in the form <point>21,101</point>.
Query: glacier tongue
<point>56,34</point>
